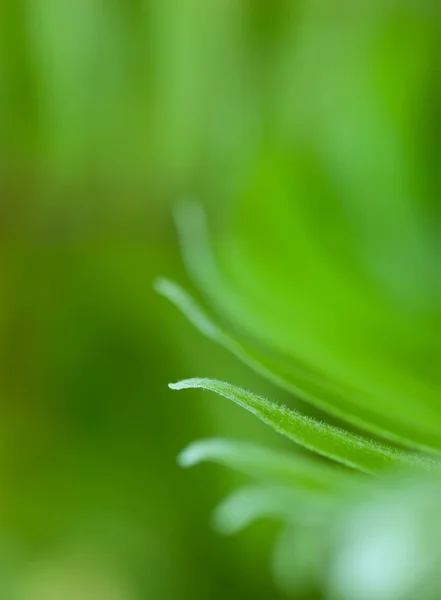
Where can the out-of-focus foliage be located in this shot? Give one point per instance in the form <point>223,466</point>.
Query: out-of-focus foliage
<point>305,126</point>
<point>109,111</point>
<point>326,279</point>
<point>351,538</point>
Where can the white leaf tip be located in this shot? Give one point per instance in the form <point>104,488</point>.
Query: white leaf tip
<point>186,458</point>
<point>175,386</point>
<point>161,285</point>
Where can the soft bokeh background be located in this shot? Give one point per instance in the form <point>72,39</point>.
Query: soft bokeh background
<point>110,111</point>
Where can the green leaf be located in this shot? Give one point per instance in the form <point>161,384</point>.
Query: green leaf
<point>264,464</point>
<point>406,420</point>
<point>300,381</point>
<point>332,442</point>
<point>254,502</point>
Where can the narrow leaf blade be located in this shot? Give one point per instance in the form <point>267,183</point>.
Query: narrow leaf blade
<point>265,464</point>
<point>300,381</point>
<point>332,442</point>
<point>255,502</point>
<point>416,427</point>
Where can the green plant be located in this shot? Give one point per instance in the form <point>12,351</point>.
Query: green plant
<point>370,531</point>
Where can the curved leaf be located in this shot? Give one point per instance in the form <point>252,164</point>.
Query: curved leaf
<point>254,502</point>
<point>265,464</point>
<point>301,381</point>
<point>337,444</point>
<point>404,419</point>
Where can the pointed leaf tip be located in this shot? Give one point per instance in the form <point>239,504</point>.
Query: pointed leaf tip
<point>337,444</point>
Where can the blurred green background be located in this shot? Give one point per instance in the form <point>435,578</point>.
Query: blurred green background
<point>110,111</point>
